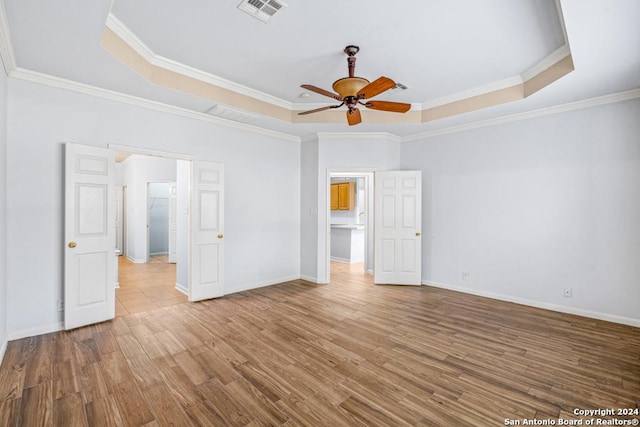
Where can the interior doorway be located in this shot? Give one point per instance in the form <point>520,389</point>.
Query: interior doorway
<point>349,228</point>
<point>146,278</point>
<point>90,272</point>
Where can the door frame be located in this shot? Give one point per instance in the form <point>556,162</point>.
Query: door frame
<point>368,175</point>
<point>176,156</point>
<point>125,235</point>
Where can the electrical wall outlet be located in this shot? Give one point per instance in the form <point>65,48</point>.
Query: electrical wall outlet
<point>567,292</point>
<point>60,305</point>
<point>465,276</point>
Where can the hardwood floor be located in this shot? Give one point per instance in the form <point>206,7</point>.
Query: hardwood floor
<point>347,353</point>
<point>145,287</point>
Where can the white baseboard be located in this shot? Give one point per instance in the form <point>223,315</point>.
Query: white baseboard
<point>261,285</point>
<point>38,330</point>
<point>136,261</point>
<point>158,253</point>
<point>309,279</point>
<point>539,304</point>
<point>182,288</point>
<point>346,261</point>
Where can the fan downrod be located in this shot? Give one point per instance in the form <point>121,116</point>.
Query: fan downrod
<point>351,51</point>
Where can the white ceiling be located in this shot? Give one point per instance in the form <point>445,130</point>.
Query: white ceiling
<point>436,48</point>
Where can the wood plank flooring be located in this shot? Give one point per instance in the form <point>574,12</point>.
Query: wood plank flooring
<point>347,353</point>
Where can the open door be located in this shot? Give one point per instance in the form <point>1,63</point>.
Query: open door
<point>398,220</point>
<point>206,271</point>
<point>89,292</point>
<point>173,257</point>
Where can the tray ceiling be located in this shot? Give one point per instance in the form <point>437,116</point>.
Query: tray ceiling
<point>462,61</point>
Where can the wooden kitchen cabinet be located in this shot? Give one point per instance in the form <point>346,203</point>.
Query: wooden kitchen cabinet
<point>334,197</point>
<point>343,196</point>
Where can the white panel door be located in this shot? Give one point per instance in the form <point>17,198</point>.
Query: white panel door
<point>173,257</point>
<point>206,270</point>
<point>89,294</point>
<point>398,220</point>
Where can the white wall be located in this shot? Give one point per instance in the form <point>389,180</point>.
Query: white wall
<point>309,210</point>
<point>262,206</point>
<point>535,206</point>
<point>137,172</point>
<point>3,212</point>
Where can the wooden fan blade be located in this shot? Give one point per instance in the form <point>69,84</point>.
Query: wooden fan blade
<point>353,117</point>
<point>315,111</point>
<point>376,87</point>
<point>394,107</point>
<point>320,109</point>
<point>321,91</point>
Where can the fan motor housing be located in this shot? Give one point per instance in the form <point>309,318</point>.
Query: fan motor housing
<point>349,86</point>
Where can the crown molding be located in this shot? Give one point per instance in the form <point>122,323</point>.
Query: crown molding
<point>57,82</point>
<point>36,77</point>
<point>7,53</point>
<point>546,62</point>
<point>129,37</point>
<point>545,71</point>
<point>542,65</point>
<point>556,109</point>
<point>385,136</point>
<point>471,93</point>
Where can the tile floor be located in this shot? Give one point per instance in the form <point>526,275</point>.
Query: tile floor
<point>145,287</point>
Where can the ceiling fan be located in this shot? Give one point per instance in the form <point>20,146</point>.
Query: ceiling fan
<point>353,90</point>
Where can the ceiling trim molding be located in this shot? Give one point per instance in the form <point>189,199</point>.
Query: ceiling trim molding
<point>546,63</point>
<point>125,45</point>
<point>120,49</point>
<point>129,37</point>
<point>36,77</point>
<point>57,82</point>
<point>556,109</point>
<point>385,136</point>
<point>382,136</point>
<point>474,92</point>
<point>7,54</point>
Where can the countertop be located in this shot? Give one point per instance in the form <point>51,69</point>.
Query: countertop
<point>348,226</point>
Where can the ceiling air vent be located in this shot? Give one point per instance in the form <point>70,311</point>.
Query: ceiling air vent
<point>399,87</point>
<point>231,114</point>
<point>261,9</point>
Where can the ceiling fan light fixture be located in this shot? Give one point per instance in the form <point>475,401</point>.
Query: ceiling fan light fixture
<point>349,86</point>
<point>353,91</point>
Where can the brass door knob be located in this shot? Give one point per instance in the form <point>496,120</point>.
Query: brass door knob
<point>220,236</point>
<point>72,244</point>
<point>418,234</point>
